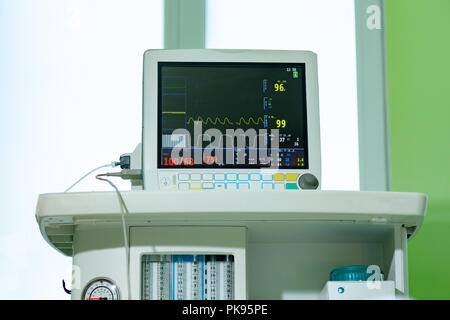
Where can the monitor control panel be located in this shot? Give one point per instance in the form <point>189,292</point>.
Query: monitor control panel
<point>255,181</point>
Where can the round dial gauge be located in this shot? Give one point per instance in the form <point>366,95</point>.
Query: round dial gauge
<point>101,289</point>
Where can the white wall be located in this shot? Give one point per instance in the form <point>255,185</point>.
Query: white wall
<point>70,100</point>
<point>326,27</point>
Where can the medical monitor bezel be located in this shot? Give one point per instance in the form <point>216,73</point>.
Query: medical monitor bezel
<point>150,130</point>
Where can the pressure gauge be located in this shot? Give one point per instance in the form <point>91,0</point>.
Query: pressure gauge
<point>101,289</point>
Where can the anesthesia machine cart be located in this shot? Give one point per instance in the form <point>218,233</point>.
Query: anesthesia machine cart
<point>225,200</point>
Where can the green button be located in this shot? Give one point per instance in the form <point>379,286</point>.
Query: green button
<point>291,186</point>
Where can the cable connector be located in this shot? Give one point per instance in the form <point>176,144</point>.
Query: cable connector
<point>125,161</point>
<point>115,164</point>
<point>126,174</point>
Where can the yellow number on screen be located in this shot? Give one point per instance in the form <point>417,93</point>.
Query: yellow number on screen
<point>279,87</point>
<point>281,123</point>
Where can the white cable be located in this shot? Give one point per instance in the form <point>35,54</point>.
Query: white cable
<point>123,211</point>
<point>112,164</point>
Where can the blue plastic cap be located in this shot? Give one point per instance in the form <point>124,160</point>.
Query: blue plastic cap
<point>352,273</point>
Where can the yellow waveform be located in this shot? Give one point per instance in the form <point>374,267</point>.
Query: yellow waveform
<point>226,120</point>
<point>250,119</point>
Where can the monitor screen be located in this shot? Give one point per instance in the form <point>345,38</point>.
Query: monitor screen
<point>232,115</point>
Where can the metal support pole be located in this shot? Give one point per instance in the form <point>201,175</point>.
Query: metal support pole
<point>184,24</point>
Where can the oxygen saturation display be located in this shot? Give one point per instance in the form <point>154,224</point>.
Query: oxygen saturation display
<point>232,115</point>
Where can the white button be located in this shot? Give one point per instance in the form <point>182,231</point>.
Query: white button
<point>219,176</point>
<point>183,177</point>
<point>196,176</point>
<point>267,177</point>
<point>243,186</point>
<point>208,185</point>
<point>231,176</point>
<point>255,177</point>
<point>219,186</point>
<point>243,176</point>
<point>279,186</point>
<point>196,185</point>
<point>207,176</point>
<point>231,186</point>
<point>183,186</point>
<point>267,186</point>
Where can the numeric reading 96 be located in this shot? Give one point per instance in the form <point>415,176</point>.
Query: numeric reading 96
<point>279,87</point>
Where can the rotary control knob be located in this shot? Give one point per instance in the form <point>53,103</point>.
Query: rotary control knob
<point>308,181</point>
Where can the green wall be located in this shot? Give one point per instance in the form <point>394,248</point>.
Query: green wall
<point>418,57</point>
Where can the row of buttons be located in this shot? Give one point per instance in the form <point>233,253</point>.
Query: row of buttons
<point>235,186</point>
<point>237,176</point>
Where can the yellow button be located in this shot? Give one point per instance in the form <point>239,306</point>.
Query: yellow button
<point>278,177</point>
<point>196,186</point>
<point>291,177</point>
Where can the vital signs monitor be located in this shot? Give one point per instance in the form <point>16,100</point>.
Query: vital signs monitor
<point>230,120</point>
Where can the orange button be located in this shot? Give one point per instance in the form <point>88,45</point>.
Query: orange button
<point>278,177</point>
<point>291,177</point>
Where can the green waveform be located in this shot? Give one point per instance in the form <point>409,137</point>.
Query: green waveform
<point>226,120</point>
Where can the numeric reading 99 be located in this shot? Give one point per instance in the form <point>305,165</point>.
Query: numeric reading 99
<point>281,123</point>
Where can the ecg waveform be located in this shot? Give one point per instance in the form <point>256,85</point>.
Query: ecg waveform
<point>226,120</point>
